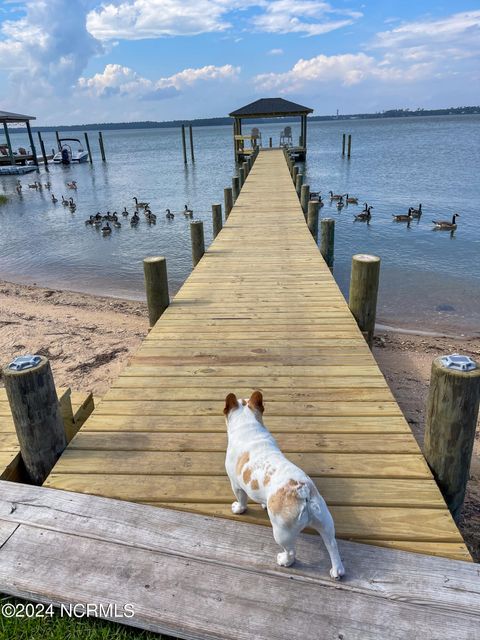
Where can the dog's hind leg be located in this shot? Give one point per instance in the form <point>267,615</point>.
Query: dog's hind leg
<point>322,521</point>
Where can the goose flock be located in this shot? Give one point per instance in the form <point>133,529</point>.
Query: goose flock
<point>341,200</point>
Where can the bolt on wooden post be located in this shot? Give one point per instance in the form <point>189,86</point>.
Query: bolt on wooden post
<point>362,299</point>
<point>156,287</point>
<point>228,200</point>
<point>312,217</point>
<point>327,240</point>
<point>198,241</point>
<point>36,414</point>
<point>305,198</point>
<point>452,413</point>
<point>216,219</point>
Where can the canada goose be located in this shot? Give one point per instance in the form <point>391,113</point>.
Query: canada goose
<point>151,218</point>
<point>114,217</point>
<point>365,215</point>
<point>47,185</point>
<point>403,217</point>
<point>117,224</point>
<point>445,224</point>
<point>134,220</point>
<point>54,200</point>
<point>33,186</point>
<point>90,221</point>
<point>18,186</point>
<point>65,202</point>
<point>350,199</point>
<point>320,201</point>
<point>170,215</point>
<point>416,213</point>
<point>188,212</point>
<point>125,212</point>
<point>335,196</point>
<point>140,205</point>
<point>106,229</point>
<point>340,203</point>
<point>73,185</point>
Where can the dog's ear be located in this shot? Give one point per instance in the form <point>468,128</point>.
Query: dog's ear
<point>231,402</point>
<point>256,401</point>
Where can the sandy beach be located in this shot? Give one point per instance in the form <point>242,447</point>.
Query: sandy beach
<point>90,338</point>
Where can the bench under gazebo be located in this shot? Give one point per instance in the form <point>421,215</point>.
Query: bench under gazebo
<point>268,108</point>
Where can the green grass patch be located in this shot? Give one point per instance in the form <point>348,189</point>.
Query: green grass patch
<point>65,628</point>
<point>3,199</point>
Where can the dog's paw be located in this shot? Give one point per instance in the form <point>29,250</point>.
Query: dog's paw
<point>264,506</point>
<point>337,572</point>
<point>285,559</point>
<point>237,508</point>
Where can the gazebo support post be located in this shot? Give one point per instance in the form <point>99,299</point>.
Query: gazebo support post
<point>9,144</point>
<point>32,145</point>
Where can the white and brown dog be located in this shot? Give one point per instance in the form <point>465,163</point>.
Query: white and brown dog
<point>258,470</point>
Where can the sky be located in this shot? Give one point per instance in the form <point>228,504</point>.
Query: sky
<point>83,61</point>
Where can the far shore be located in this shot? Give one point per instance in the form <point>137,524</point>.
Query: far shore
<point>89,340</point>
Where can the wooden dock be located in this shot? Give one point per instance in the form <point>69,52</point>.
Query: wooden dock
<point>262,310</point>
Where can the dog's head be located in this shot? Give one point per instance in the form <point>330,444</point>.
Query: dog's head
<point>253,404</point>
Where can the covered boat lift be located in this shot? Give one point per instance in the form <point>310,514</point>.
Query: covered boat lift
<point>6,118</point>
<point>268,108</point>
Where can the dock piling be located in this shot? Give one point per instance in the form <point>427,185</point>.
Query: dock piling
<point>216,219</point>
<point>270,143</point>
<point>245,169</point>
<point>198,241</point>
<point>42,148</point>
<point>312,217</point>
<point>298,183</point>
<point>452,412</point>
<point>305,198</point>
<point>327,240</point>
<point>362,299</point>
<point>343,144</point>
<point>191,144</point>
<point>228,201</point>
<point>156,287</point>
<point>184,145</point>
<point>235,187</point>
<point>102,148</point>
<point>36,414</point>
<point>349,149</point>
<point>241,176</point>
<point>59,144</point>
<point>87,143</point>
<point>294,174</point>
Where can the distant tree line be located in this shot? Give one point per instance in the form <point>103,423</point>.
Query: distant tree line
<point>215,122</point>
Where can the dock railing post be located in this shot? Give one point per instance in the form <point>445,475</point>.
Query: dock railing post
<point>156,287</point>
<point>362,299</point>
<point>87,143</point>
<point>298,183</point>
<point>184,145</point>
<point>102,147</point>
<point>235,187</point>
<point>452,413</point>
<point>36,414</point>
<point>305,198</point>
<point>312,217</point>
<point>343,144</point>
<point>241,177</point>
<point>191,144</point>
<point>349,148</point>
<point>228,201</point>
<point>216,219</point>
<point>198,241</point>
<point>327,240</point>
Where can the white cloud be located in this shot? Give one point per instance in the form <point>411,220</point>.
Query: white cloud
<point>275,52</point>
<point>119,80</point>
<point>310,17</point>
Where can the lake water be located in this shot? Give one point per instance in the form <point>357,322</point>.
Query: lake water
<point>429,279</point>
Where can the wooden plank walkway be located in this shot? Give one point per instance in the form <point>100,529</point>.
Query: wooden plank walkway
<point>203,578</point>
<point>262,310</point>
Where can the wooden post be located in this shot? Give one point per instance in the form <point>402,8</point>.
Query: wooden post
<point>349,145</point>
<point>184,145</point>
<point>9,144</point>
<point>59,144</point>
<point>191,144</point>
<point>305,198</point>
<point>32,144</point>
<point>298,183</point>
<point>228,201</point>
<point>216,219</point>
<point>245,169</point>
<point>270,143</point>
<point>156,287</point>
<point>294,174</point>
<point>241,176</point>
<point>452,412</point>
<point>343,144</point>
<point>42,148</point>
<point>235,187</point>
<point>312,217</point>
<point>36,415</point>
<point>102,148</point>
<point>327,240</point>
<point>87,142</point>
<point>363,292</point>
<point>198,241</point>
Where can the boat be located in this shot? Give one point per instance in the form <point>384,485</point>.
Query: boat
<point>67,155</point>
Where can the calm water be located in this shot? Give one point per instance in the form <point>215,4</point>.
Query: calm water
<point>429,279</point>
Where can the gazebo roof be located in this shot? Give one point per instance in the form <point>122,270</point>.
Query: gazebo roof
<point>7,116</point>
<point>270,108</point>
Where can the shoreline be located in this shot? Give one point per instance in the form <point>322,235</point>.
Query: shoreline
<point>89,339</point>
